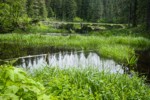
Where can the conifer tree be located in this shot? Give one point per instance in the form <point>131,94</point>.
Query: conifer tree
<point>36,9</point>
<point>10,13</point>
<point>70,8</point>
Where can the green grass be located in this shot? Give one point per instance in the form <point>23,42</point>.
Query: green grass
<point>90,84</point>
<point>40,28</point>
<point>119,48</point>
<point>53,83</point>
<point>135,32</point>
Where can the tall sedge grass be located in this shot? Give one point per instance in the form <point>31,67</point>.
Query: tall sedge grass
<point>117,52</point>
<point>90,84</point>
<point>118,47</point>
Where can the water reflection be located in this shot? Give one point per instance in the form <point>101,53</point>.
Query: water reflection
<point>70,59</point>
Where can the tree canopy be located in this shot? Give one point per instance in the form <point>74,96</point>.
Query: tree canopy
<point>131,12</point>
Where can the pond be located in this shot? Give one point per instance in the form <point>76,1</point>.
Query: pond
<point>33,58</point>
<point>76,59</point>
<point>51,56</point>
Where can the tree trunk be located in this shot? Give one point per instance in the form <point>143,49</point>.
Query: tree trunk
<point>134,20</point>
<point>148,16</point>
<point>130,15</point>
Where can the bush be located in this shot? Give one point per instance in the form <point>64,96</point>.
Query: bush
<point>16,85</point>
<point>77,19</point>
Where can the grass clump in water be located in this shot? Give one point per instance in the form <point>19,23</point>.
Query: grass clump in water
<point>89,83</point>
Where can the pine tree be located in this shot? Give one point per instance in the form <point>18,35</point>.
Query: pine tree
<point>69,9</point>
<point>148,16</point>
<point>50,12</point>
<point>36,9</point>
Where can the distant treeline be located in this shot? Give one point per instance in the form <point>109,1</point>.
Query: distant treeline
<point>132,12</point>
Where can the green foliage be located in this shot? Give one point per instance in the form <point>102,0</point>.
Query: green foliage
<point>4,24</point>
<point>131,62</point>
<point>16,85</point>
<point>40,28</point>
<point>107,11</point>
<point>36,9</point>
<point>11,12</point>
<point>77,19</point>
<point>90,84</point>
<point>70,8</point>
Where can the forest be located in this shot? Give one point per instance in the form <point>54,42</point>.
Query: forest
<point>74,49</point>
<point>20,13</point>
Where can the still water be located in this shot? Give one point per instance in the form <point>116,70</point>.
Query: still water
<point>69,59</point>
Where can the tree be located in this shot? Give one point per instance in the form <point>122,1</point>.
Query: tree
<point>95,10</point>
<point>134,18</point>
<point>36,9</point>
<point>11,12</point>
<point>148,16</point>
<point>50,12</point>
<point>57,8</point>
<point>70,9</point>
<point>79,6</point>
<point>84,9</point>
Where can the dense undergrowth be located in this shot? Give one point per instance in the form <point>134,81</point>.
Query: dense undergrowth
<point>15,84</point>
<point>52,83</point>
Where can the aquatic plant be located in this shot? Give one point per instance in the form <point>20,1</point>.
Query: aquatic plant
<point>131,62</point>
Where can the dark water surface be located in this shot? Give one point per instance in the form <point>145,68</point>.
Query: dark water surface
<point>143,63</point>
<point>8,51</point>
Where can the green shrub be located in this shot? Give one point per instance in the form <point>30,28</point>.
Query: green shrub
<point>77,19</point>
<point>41,28</point>
<point>16,85</point>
